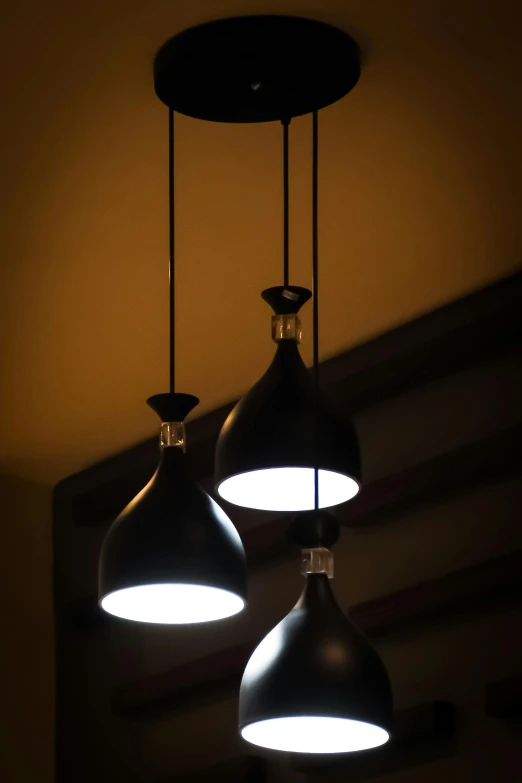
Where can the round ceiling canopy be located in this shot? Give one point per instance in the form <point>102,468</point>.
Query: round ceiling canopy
<point>256,68</point>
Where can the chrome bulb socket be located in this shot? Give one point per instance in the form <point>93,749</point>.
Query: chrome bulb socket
<point>286,327</point>
<point>172,433</point>
<point>318,560</point>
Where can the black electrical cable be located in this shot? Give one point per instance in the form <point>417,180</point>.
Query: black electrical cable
<point>171,253</point>
<point>315,289</point>
<point>285,205</point>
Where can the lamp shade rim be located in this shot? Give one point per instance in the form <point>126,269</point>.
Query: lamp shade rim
<point>172,603</point>
<point>314,734</point>
<point>252,488</point>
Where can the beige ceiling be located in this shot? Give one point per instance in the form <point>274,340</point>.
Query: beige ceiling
<point>419,203</point>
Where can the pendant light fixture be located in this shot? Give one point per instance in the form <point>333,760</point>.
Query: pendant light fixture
<point>315,684</point>
<point>267,449</point>
<point>172,556</point>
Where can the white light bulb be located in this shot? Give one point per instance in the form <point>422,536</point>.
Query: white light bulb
<point>307,734</point>
<point>287,489</point>
<point>172,604</point>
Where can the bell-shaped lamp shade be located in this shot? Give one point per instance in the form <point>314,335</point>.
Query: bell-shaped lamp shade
<point>172,556</point>
<point>315,684</point>
<point>274,438</point>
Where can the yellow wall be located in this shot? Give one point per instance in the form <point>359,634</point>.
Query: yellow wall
<point>420,172</point>
<point>27,711</point>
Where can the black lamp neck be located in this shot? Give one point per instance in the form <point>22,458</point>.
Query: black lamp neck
<point>317,595</point>
<point>314,528</point>
<point>315,531</point>
<point>286,300</point>
<point>172,406</point>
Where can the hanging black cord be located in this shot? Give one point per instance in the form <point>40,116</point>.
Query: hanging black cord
<point>285,204</point>
<point>315,300</point>
<point>171,252</point>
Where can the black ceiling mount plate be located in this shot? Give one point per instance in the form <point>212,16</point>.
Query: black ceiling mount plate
<point>256,68</point>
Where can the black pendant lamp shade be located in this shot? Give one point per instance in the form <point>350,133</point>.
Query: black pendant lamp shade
<point>282,429</point>
<point>172,555</point>
<point>315,684</point>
